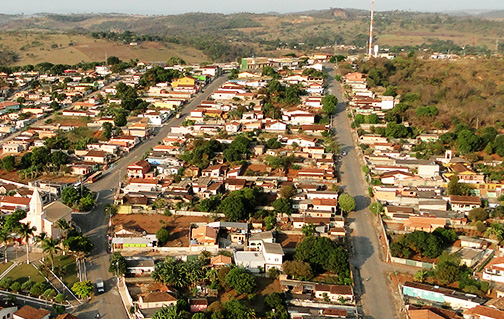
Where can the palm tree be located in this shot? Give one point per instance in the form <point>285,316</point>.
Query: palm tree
<point>50,246</point>
<point>25,231</point>
<point>65,227</point>
<point>5,239</point>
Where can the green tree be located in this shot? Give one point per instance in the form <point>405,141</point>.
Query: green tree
<point>27,285</point>
<point>239,205</point>
<point>241,280</point>
<point>273,143</point>
<point>59,309</point>
<point>50,246</point>
<point>118,265</point>
<point>112,60</point>
<point>329,104</point>
<point>5,240</point>
<point>60,298</point>
<point>70,196</point>
<point>87,202</point>
<point>80,246</point>
<point>456,188</point>
<point>297,269</point>
<point>106,130</point>
<point>237,310</point>
<point>16,286</point>
<point>447,272</point>
<point>468,142</point>
<point>83,289</point>
<point>308,229</point>
<point>496,231</point>
<point>346,202</point>
<point>37,289</point>
<point>175,60</point>
<point>26,232</point>
<point>9,163</point>
<point>120,119</point>
<point>163,235</point>
<point>478,214</point>
<point>287,191</point>
<point>6,282</point>
<point>376,207</point>
<point>270,222</point>
<point>209,204</point>
<point>283,206</point>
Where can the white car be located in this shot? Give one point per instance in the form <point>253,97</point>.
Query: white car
<point>100,286</point>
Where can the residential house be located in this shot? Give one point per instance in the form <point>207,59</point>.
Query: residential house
<point>138,169</point>
<point>140,266</point>
<point>11,203</point>
<point>494,271</point>
<point>273,255</point>
<point>220,260</point>
<point>470,242</point>
<point>303,141</point>
<point>156,299</point>
<point>97,156</point>
<point>370,139</point>
<point>186,80</point>
<point>7,310</point>
<point>464,203</point>
<point>204,235</point>
<point>325,204</point>
<point>274,126</point>
<point>440,295</point>
<point>198,305</point>
<point>136,185</point>
<point>426,224</point>
<point>214,171</point>
<point>255,261</point>
<point>470,256</point>
<point>335,293</point>
<point>28,312</point>
<point>482,312</point>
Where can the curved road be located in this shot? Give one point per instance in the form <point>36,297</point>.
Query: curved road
<point>370,272</point>
<point>95,224</point>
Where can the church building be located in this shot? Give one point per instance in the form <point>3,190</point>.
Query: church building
<point>44,218</point>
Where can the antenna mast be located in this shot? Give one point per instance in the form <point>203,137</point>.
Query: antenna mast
<point>370,49</point>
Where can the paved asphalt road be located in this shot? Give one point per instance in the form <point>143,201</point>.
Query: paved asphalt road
<point>370,279</point>
<point>95,224</point>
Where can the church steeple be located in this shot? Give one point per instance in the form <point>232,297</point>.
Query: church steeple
<point>36,205</point>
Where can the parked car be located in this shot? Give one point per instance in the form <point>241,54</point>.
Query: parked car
<point>100,286</point>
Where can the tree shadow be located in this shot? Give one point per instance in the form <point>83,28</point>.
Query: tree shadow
<point>361,202</point>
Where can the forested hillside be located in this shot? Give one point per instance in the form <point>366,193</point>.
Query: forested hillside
<point>468,91</point>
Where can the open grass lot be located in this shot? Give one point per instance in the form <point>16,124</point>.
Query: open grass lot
<point>69,268</point>
<point>24,272</point>
<point>37,47</point>
<point>4,266</point>
<point>79,121</point>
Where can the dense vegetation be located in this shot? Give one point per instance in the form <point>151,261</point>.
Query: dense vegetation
<point>441,95</point>
<point>421,243</point>
<point>320,254</point>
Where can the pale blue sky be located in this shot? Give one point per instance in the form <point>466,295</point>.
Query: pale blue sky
<point>229,6</point>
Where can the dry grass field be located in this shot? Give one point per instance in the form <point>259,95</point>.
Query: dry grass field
<point>36,47</point>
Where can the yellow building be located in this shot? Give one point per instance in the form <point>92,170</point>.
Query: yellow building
<point>186,80</point>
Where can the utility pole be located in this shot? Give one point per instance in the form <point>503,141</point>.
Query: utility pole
<point>370,49</point>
